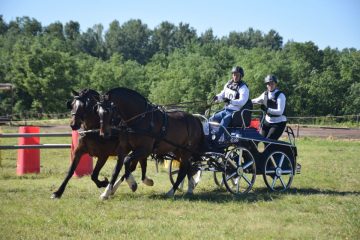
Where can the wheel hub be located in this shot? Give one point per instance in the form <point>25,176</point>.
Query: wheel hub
<point>278,172</point>
<point>240,171</point>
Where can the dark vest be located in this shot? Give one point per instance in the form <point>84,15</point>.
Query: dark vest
<point>236,86</point>
<point>272,103</point>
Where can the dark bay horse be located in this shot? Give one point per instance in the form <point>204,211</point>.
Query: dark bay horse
<point>151,130</point>
<point>82,114</point>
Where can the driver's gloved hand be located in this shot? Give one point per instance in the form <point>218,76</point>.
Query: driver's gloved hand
<point>226,100</point>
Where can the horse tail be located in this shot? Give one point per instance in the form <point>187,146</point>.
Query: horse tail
<point>194,127</point>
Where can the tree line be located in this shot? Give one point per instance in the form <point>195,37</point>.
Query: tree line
<point>169,64</point>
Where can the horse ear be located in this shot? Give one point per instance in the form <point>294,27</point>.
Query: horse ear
<point>74,93</point>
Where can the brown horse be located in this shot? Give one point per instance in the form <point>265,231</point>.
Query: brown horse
<point>151,130</point>
<point>82,111</point>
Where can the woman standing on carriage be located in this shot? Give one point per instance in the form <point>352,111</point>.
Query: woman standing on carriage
<point>273,102</point>
<point>235,95</point>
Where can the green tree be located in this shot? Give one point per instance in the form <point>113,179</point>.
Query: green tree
<point>132,40</point>
<point>92,42</point>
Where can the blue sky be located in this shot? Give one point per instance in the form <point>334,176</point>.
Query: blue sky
<point>334,23</point>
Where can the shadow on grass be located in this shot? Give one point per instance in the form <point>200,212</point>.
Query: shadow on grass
<point>219,196</point>
<point>259,195</point>
<point>312,191</point>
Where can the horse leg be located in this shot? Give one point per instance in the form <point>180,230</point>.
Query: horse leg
<point>95,174</point>
<point>105,195</point>
<point>143,163</point>
<point>191,180</point>
<point>147,181</point>
<point>183,170</point>
<point>135,156</point>
<point>119,181</point>
<point>79,151</point>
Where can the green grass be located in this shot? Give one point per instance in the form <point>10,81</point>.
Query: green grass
<point>323,203</point>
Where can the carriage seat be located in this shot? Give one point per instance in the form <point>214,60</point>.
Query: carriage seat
<point>237,120</point>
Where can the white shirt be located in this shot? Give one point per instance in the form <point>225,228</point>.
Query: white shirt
<point>235,104</point>
<point>279,111</point>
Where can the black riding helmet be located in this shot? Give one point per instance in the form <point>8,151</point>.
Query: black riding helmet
<point>238,69</point>
<point>270,78</point>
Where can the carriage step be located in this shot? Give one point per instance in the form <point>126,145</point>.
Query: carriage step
<point>298,168</point>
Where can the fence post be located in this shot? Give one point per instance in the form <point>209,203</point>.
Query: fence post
<point>28,160</point>
<point>0,144</point>
<point>297,131</point>
<point>85,166</point>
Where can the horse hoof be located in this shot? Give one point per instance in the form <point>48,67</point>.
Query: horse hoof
<point>134,187</point>
<point>189,194</point>
<point>170,193</point>
<point>148,182</point>
<point>132,183</point>
<point>104,197</point>
<point>55,196</point>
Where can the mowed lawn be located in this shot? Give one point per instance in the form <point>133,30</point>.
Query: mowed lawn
<point>323,203</point>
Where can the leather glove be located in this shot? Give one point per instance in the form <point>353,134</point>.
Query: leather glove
<point>214,98</point>
<point>226,100</point>
<point>264,108</point>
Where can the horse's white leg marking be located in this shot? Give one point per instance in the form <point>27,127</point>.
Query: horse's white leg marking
<point>191,186</point>
<point>116,186</point>
<point>105,195</point>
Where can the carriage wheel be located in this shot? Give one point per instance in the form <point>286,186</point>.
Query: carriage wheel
<point>278,172</point>
<point>174,171</point>
<point>240,171</point>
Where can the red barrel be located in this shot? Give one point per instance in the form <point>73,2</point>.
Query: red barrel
<point>85,166</point>
<point>28,160</point>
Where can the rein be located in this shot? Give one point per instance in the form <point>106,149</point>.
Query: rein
<point>146,133</point>
<point>138,115</point>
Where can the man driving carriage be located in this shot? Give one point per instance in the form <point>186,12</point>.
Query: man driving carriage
<point>273,103</point>
<point>235,95</point>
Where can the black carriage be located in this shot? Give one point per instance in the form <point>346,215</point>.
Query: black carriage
<point>243,154</point>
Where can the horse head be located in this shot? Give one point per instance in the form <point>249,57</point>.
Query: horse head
<point>81,107</point>
<point>106,111</point>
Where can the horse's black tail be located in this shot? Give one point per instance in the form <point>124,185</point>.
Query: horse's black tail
<point>196,133</point>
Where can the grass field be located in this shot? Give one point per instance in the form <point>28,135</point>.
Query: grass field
<point>323,203</point>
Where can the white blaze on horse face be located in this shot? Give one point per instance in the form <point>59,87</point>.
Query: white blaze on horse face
<point>101,115</point>
<point>74,113</point>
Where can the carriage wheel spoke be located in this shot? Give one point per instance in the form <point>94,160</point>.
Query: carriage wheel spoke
<point>274,181</point>
<point>273,161</point>
<point>230,176</point>
<point>270,171</point>
<point>282,182</point>
<point>175,172</point>
<point>287,171</point>
<point>248,165</point>
<point>247,179</point>
<point>240,155</point>
<point>281,160</point>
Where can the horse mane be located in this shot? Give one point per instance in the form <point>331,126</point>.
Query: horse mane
<point>128,91</point>
<point>89,92</point>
